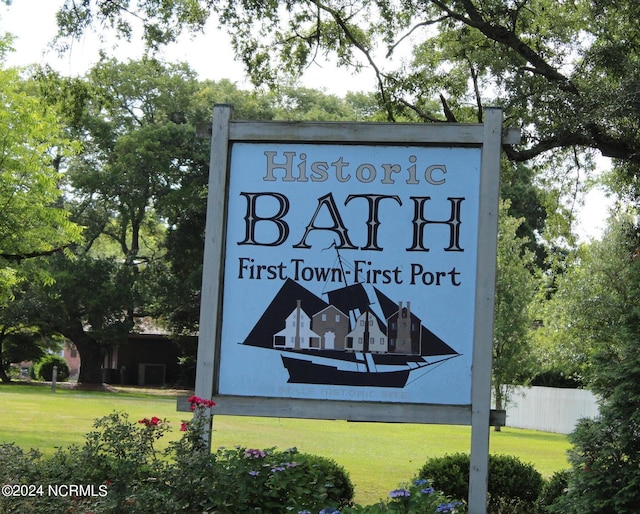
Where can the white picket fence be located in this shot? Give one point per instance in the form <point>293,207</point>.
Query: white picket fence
<point>550,409</point>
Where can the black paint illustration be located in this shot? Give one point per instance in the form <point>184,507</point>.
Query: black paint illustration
<point>342,341</point>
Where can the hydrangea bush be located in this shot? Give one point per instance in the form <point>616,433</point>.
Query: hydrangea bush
<point>123,472</point>
<point>419,497</point>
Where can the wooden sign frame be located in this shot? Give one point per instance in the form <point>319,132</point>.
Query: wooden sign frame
<point>488,137</point>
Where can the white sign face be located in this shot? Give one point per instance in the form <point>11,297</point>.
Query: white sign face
<point>350,272</point>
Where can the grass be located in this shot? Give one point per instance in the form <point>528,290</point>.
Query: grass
<point>378,456</point>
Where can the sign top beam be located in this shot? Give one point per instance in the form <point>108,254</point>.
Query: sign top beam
<point>354,132</point>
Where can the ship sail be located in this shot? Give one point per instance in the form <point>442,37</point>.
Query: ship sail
<point>342,341</point>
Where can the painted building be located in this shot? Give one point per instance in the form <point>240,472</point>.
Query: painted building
<point>330,329</point>
<point>297,333</point>
<point>332,325</point>
<point>368,335</point>
<point>404,329</point>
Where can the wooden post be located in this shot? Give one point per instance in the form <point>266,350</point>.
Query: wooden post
<point>484,306</point>
<point>213,269</point>
<point>54,378</point>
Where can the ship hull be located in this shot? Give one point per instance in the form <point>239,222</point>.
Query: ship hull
<point>303,371</point>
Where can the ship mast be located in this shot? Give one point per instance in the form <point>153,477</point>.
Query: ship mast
<point>340,263</point>
<point>365,342</point>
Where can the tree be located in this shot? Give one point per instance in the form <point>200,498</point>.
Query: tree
<point>528,202</point>
<point>136,123</point>
<point>88,304</point>
<point>515,289</point>
<point>586,303</point>
<point>186,211</point>
<point>20,338</point>
<point>605,457</point>
<point>33,221</point>
<point>139,186</point>
<point>564,71</point>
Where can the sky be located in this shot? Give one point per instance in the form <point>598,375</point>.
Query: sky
<point>211,56</point>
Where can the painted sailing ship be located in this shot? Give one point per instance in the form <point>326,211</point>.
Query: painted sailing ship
<point>342,341</point>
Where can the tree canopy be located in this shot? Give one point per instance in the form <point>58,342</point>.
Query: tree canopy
<point>565,72</point>
<point>515,289</point>
<point>595,313</point>
<point>33,221</point>
<point>139,187</point>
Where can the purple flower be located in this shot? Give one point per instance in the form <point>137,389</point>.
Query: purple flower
<point>251,453</point>
<point>399,493</point>
<point>428,490</point>
<point>420,481</point>
<point>276,469</point>
<point>447,507</point>
<point>254,473</point>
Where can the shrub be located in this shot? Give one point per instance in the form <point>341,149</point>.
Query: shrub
<point>341,491</point>
<point>44,368</point>
<point>509,477</point>
<point>419,497</point>
<point>513,485</point>
<point>120,461</point>
<point>272,481</point>
<point>122,472</point>
<point>553,491</point>
<point>605,463</point>
<point>450,474</point>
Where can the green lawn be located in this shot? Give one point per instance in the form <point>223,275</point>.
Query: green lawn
<point>377,456</point>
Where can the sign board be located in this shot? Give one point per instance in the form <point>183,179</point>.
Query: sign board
<point>350,271</point>
<point>349,263</point>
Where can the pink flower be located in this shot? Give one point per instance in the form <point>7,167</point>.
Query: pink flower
<point>196,401</point>
<point>153,422</point>
<point>184,426</point>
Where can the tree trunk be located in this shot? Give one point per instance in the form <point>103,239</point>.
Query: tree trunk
<point>499,404</point>
<point>3,374</point>
<point>90,356</point>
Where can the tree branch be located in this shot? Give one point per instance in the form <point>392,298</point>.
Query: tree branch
<point>19,257</point>
<point>418,111</point>
<point>347,32</point>
<point>507,37</point>
<point>411,31</point>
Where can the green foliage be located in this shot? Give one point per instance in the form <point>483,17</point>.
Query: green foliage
<point>449,474</point>
<point>120,460</point>
<point>557,378</point>
<point>513,485</point>
<point>20,339</point>
<point>32,221</point>
<point>590,298</point>
<point>516,284</point>
<point>605,459</point>
<point>419,497</point>
<point>605,468</point>
<point>124,473</point>
<point>245,479</point>
<point>43,369</point>
<point>554,490</point>
<point>566,72</point>
<point>341,491</point>
<point>509,477</point>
